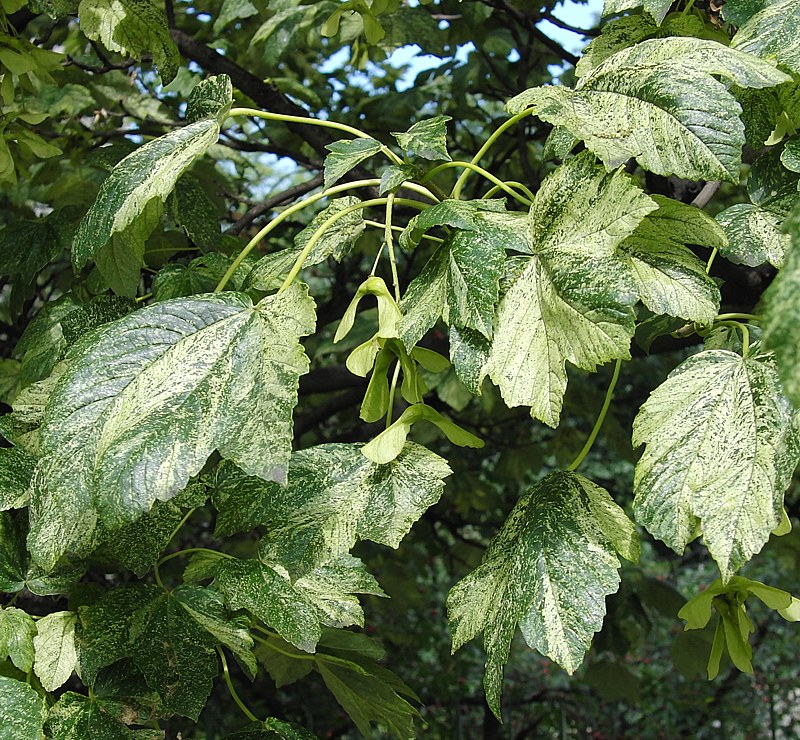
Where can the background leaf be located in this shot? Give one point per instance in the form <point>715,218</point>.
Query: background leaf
<point>572,299</point>
<point>132,27</point>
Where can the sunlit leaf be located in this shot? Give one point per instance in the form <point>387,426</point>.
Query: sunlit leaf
<point>134,27</point>
<point>773,33</point>
<point>658,101</point>
<point>426,138</point>
<point>571,300</point>
<point>345,155</point>
<point>720,453</point>
<point>17,630</point>
<point>56,653</point>
<point>149,397</point>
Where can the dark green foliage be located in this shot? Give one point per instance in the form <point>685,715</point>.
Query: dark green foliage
<point>267,320</point>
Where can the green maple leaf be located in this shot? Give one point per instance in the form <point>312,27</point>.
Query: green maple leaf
<point>426,138</point>
<point>460,283</point>
<point>549,570</point>
<point>16,470</point>
<point>773,33</point>
<point>345,155</point>
<point>17,630</point>
<point>782,315</point>
<point>572,298</point>
<point>658,101</point>
<point>669,278</point>
<point>720,452</point>
<point>150,173</point>
<point>146,399</point>
<point>102,631</point>
<point>22,710</point>
<point>297,610</point>
<point>336,496</point>
<point>56,652</point>
<point>657,8</point>
<point>754,235</point>
<point>175,653</point>
<point>207,608</point>
<point>77,717</point>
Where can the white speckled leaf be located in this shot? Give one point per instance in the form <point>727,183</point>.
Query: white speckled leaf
<point>773,33</point>
<point>17,630</point>
<point>657,8</point>
<point>332,589</point>
<point>146,399</point>
<point>549,569</point>
<point>346,154</point>
<point>629,30</point>
<point>460,282</point>
<point>670,279</point>
<point>790,157</point>
<point>78,717</point>
<point>22,710</point>
<point>206,607</point>
<point>336,496</point>
<point>102,629</point>
<point>754,235</point>
<point>134,27</point>
<point>612,7</point>
<point>720,450</point>
<point>297,610</point>
<point>572,299</point>
<point>426,138</point>
<point>781,308</point>
<point>658,102</point>
<point>469,353</point>
<point>56,653</point>
<point>16,469</point>
<point>148,173</point>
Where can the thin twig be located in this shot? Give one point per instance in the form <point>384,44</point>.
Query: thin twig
<point>567,27</point>
<point>283,197</point>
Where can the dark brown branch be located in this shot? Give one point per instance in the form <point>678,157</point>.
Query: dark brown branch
<point>554,46</point>
<point>94,69</point>
<point>283,197</point>
<point>589,32</point>
<point>256,146</point>
<point>169,11</point>
<point>263,94</point>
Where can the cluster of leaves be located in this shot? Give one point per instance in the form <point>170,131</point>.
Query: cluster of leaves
<point>147,389</point>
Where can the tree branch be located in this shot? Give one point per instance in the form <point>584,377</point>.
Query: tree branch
<point>702,199</point>
<point>263,94</point>
<point>588,32</point>
<point>283,197</point>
